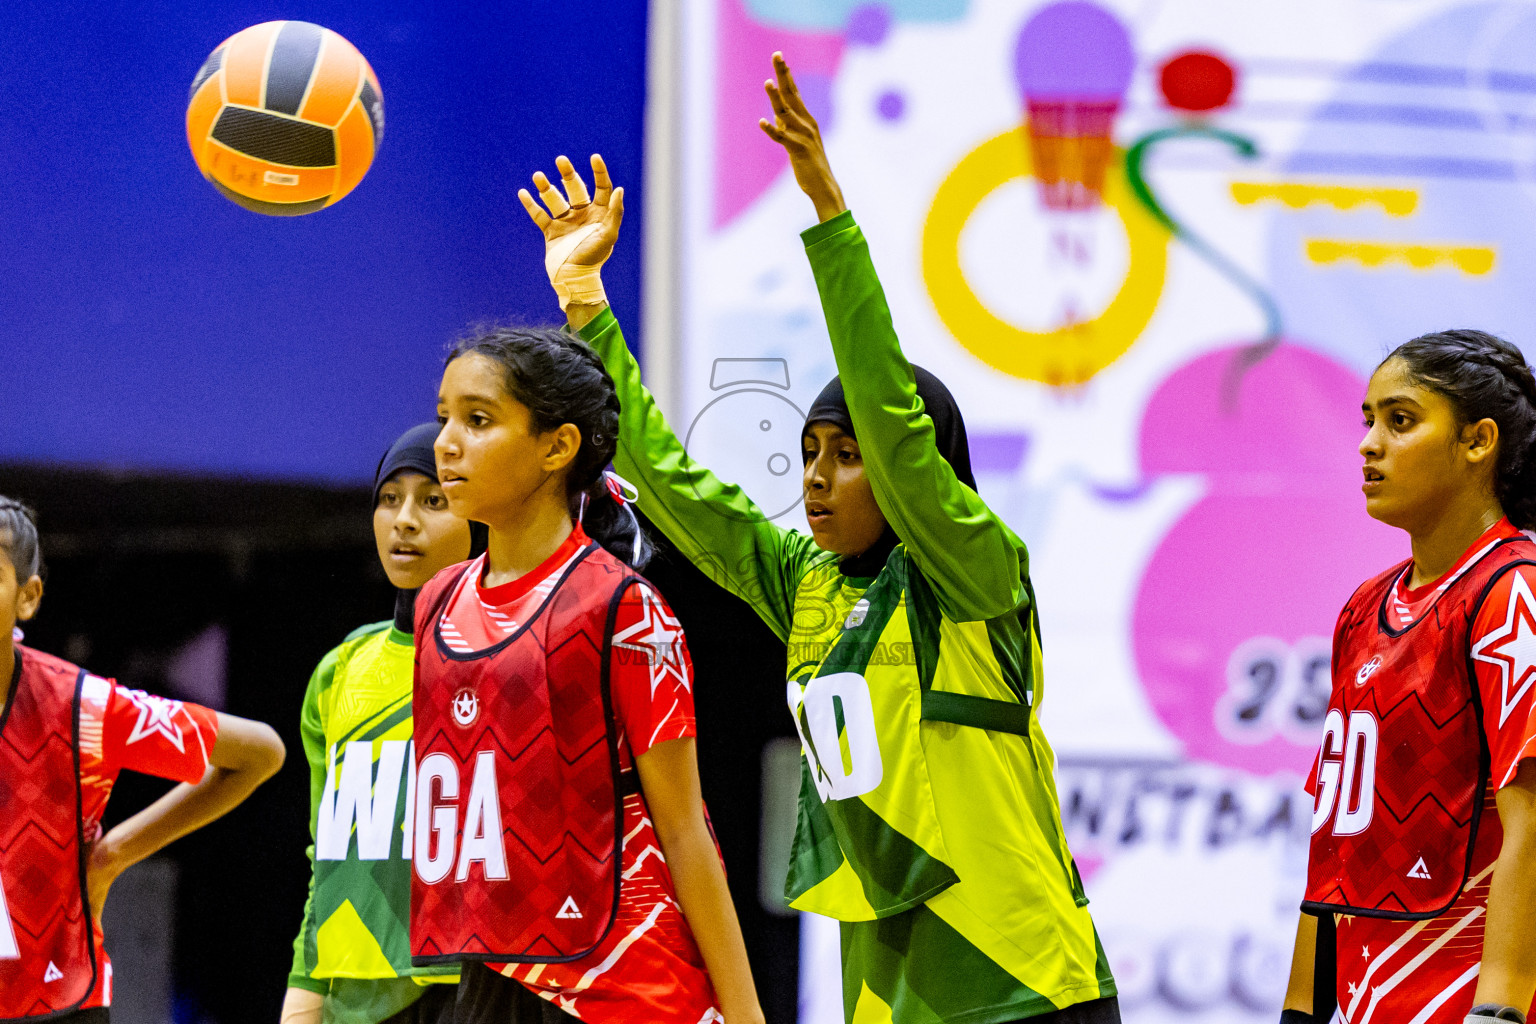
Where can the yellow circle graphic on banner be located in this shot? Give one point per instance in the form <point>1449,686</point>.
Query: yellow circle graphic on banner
<point>1073,353</point>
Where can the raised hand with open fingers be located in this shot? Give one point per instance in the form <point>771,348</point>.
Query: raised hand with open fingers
<point>579,230</point>
<point>796,130</point>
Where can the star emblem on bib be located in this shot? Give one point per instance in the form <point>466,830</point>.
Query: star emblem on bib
<point>1512,646</point>
<point>659,636</point>
<point>157,717</point>
<point>465,707</point>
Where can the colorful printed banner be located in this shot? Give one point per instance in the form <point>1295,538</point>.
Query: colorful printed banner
<point>1155,249</point>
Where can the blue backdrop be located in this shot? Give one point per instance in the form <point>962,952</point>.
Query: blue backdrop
<point>147,322</point>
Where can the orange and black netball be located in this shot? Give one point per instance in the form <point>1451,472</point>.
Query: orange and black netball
<point>284,118</point>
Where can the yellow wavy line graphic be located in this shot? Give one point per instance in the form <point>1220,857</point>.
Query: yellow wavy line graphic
<point>1419,256</point>
<point>1397,202</point>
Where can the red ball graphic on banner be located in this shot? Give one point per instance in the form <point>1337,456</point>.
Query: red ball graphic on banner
<point>1197,81</point>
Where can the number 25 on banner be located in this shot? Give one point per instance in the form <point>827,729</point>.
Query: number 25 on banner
<point>8,948</point>
<point>838,733</point>
<point>1273,686</point>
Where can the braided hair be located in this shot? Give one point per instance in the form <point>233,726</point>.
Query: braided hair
<point>1485,377</point>
<point>562,380</point>
<point>18,538</point>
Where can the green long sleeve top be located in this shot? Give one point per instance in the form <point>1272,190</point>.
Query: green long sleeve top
<point>926,783</point>
<point>977,566</point>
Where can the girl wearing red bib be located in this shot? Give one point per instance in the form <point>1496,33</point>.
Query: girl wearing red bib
<point>1421,886</point>
<point>65,735</point>
<point>559,835</point>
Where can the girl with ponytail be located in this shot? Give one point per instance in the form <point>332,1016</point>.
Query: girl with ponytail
<point>1421,883</point>
<point>559,834</point>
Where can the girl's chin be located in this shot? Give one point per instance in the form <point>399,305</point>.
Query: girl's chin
<point>406,581</point>
<point>462,507</point>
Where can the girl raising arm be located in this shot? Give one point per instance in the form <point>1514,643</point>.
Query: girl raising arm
<point>929,822</point>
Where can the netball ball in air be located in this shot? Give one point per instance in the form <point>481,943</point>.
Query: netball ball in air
<point>284,118</point>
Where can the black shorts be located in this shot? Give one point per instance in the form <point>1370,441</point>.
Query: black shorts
<point>436,1006</point>
<point>92,1015</point>
<point>1099,1011</point>
<point>486,997</point>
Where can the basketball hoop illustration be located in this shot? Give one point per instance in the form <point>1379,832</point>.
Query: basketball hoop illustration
<point>1073,64</point>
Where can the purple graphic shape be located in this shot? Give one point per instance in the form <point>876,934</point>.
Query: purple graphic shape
<point>998,453</point>
<point>1270,552</point>
<point>868,25</point>
<point>816,91</point>
<point>1074,50</point>
<point>891,105</point>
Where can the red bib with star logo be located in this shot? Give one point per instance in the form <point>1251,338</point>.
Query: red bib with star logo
<point>47,957</point>
<point>1403,767</point>
<point>517,829</point>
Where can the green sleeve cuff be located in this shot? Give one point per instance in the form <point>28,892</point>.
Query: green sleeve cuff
<point>599,325</point>
<point>827,228</point>
<point>319,986</point>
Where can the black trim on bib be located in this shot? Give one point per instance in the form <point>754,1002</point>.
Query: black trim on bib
<point>500,645</point>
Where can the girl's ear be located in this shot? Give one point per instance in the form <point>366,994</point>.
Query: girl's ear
<point>564,443</point>
<point>1481,438</point>
<point>29,597</point>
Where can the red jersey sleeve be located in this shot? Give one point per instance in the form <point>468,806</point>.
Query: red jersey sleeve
<point>156,735</point>
<point>650,674</point>
<point>1504,660</point>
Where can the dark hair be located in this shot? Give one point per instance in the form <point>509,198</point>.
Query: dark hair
<point>561,380</point>
<point>18,537</point>
<point>1485,377</point>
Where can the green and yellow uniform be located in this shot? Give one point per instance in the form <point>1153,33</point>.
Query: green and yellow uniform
<point>929,822</point>
<point>354,945</point>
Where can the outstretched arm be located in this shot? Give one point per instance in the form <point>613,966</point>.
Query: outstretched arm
<point>713,523</point>
<point>1508,973</point>
<point>245,755</point>
<point>975,562</point>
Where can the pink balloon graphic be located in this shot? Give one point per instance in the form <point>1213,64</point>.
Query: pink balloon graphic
<point>1234,620</point>
<point>746,162</point>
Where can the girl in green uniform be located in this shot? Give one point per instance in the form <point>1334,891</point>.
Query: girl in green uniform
<point>928,823</point>
<point>352,959</point>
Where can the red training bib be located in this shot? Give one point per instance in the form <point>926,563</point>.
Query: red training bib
<point>517,830</point>
<point>47,956</point>
<point>1403,765</point>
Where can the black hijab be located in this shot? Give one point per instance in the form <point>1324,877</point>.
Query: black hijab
<point>413,452</point>
<point>948,434</point>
